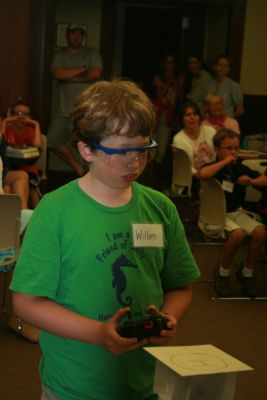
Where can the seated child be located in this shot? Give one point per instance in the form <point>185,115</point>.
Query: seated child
<point>235,177</point>
<point>100,247</point>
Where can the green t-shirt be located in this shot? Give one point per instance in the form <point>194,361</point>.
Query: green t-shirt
<point>86,256</point>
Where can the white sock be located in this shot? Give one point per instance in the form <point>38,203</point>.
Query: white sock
<point>247,272</point>
<point>224,271</point>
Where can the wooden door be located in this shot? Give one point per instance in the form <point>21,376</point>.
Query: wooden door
<point>149,33</point>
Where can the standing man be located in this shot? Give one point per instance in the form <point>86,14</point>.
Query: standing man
<point>75,68</point>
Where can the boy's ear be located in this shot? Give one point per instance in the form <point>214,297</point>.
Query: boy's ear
<point>85,151</point>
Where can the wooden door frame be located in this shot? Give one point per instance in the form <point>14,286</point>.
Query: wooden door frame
<point>41,40</point>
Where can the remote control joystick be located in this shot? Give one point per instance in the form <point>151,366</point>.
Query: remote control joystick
<point>150,325</point>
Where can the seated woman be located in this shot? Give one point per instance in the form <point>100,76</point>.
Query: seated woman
<point>16,182</point>
<point>216,117</point>
<point>196,140</point>
<point>21,130</point>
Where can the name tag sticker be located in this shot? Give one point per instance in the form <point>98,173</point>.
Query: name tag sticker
<point>228,186</point>
<point>148,235</point>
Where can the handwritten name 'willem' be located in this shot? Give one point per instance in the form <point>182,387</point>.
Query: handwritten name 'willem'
<point>148,235</point>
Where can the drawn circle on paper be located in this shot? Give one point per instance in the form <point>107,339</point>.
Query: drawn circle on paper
<point>199,361</point>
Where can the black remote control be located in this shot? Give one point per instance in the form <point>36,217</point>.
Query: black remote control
<point>150,325</point>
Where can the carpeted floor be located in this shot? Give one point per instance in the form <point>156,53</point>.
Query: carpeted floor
<point>238,327</point>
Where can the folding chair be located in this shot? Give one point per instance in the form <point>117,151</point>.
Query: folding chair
<point>181,173</point>
<point>211,219</point>
<point>10,211</point>
<point>212,211</point>
<point>254,195</point>
<point>12,226</point>
<point>181,189</point>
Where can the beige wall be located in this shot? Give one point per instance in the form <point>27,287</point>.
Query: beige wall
<point>254,60</point>
<point>85,12</point>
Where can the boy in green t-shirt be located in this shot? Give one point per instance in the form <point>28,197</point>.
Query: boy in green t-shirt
<point>99,247</point>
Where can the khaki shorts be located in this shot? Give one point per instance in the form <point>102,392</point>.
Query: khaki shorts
<point>241,219</point>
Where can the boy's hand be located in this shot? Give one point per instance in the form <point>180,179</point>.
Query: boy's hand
<point>110,339</point>
<point>229,160</point>
<point>166,334</point>
<point>244,180</point>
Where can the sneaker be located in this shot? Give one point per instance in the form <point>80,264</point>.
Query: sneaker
<point>248,284</point>
<point>222,285</point>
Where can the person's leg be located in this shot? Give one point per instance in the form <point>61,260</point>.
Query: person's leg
<point>17,182</point>
<point>245,273</point>
<point>34,197</point>
<point>222,275</point>
<point>235,235</point>
<point>258,238</point>
<point>58,138</point>
<point>65,154</point>
<point>231,246</point>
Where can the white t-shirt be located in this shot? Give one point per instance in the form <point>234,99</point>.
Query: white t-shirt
<point>200,150</point>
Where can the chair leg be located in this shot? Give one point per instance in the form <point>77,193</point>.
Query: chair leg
<point>5,300</point>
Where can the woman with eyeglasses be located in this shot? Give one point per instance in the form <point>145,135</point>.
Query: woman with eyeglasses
<point>21,130</point>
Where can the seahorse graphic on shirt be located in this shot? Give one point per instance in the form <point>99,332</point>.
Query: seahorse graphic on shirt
<point>119,282</point>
